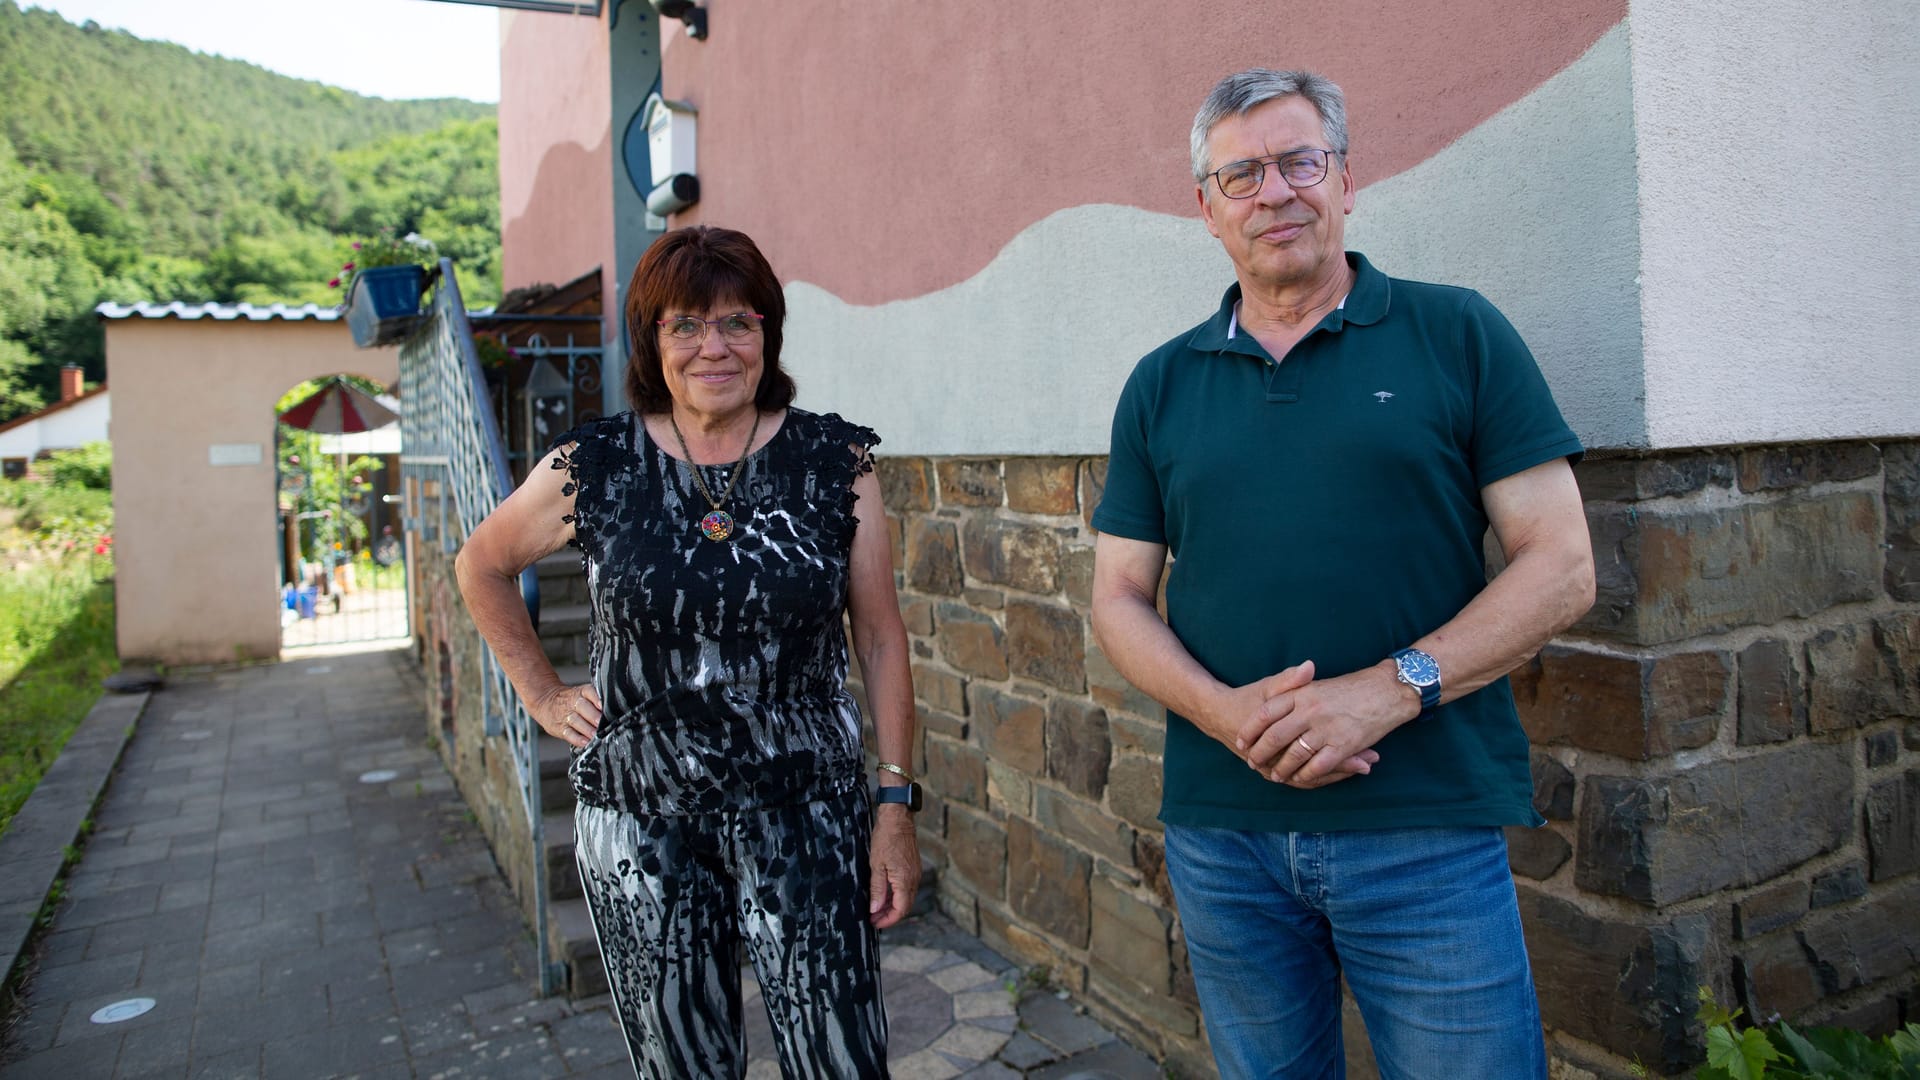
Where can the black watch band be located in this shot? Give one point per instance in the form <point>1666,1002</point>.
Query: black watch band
<point>909,794</point>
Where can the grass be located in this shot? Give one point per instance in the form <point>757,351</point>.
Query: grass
<point>56,644</point>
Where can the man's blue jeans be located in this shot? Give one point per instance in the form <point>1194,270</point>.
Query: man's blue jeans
<point>1423,924</point>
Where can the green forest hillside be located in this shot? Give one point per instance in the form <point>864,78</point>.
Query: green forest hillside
<point>139,170</point>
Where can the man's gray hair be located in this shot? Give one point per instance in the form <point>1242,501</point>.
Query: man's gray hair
<point>1242,91</point>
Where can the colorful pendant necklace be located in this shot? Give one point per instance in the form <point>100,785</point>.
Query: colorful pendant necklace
<point>718,524</point>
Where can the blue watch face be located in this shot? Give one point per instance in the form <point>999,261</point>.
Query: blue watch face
<point>1418,668</point>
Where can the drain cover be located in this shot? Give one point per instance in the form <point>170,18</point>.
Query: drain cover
<point>122,1010</point>
<point>379,776</point>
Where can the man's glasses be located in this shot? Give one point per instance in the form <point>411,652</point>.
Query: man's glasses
<point>687,330</point>
<point>1299,168</point>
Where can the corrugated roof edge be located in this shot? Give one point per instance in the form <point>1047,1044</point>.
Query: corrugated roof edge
<point>223,312</point>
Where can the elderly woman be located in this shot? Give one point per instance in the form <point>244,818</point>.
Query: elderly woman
<point>717,751</point>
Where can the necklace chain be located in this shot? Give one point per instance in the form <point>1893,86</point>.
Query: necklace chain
<point>700,483</point>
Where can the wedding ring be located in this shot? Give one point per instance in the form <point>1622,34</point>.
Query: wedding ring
<point>1302,740</point>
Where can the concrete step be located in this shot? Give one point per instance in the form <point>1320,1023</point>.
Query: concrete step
<point>563,580</point>
<point>571,944</point>
<point>563,875</point>
<point>556,792</point>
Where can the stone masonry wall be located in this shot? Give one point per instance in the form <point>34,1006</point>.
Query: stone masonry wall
<point>1727,748</point>
<point>449,648</point>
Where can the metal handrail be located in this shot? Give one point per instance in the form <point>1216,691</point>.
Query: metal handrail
<point>448,434</point>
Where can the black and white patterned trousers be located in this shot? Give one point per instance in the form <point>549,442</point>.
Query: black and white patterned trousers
<point>676,898</point>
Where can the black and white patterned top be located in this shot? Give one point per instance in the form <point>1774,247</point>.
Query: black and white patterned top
<point>721,665</point>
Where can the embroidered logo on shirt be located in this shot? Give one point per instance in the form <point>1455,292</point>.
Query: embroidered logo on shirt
<point>1382,396</point>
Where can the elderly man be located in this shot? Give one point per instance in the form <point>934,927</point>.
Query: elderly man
<point>1322,457</point>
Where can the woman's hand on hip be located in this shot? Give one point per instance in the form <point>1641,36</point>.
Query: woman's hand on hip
<point>570,713</point>
<point>896,865</point>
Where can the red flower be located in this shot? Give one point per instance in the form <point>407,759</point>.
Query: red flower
<point>100,548</point>
<point>349,266</point>
<point>356,245</point>
<point>334,284</point>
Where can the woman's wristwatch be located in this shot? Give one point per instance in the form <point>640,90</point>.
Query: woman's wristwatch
<point>907,793</point>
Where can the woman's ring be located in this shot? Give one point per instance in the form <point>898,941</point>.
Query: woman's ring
<point>1302,740</point>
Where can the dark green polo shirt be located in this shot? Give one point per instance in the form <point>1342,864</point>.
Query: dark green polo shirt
<point>1328,508</point>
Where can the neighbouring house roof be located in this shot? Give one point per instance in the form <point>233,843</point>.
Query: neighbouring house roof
<point>222,312</point>
<point>22,421</point>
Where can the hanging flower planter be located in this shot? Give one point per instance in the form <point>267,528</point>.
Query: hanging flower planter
<point>383,305</point>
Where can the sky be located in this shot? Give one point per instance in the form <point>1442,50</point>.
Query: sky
<point>382,48</point>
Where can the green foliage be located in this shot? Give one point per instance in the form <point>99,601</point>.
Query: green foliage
<point>137,170</point>
<point>1782,1053</point>
<point>56,644</point>
<point>386,249</point>
<point>59,516</point>
<point>89,466</point>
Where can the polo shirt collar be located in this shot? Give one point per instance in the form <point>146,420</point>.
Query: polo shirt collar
<point>1366,303</point>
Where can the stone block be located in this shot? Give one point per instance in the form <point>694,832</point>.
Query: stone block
<point>984,599</point>
<point>1900,490</point>
<point>1134,736</point>
<point>906,484</point>
<point>1910,736</point>
<point>917,613</point>
<point>1047,642</point>
<point>1009,791</point>
<point>1134,788</point>
<point>957,771</point>
<point>1780,904</point>
<point>969,482</point>
<point>1649,974</point>
<point>1078,748</point>
<point>1666,574</point>
<point>1838,886</point>
<point>1093,484</point>
<point>933,557</point>
<point>1009,553</point>
<point>1866,943</point>
<point>1635,707</point>
<point>1553,787</point>
<point>1774,978</point>
<point>977,850</point>
<point>1013,729</point>
<point>941,723</point>
<point>897,547</point>
<point>1042,485</point>
<point>1536,853</point>
<point>1666,838</point>
<point>1130,939</point>
<point>942,690</point>
<point>1085,825</point>
<point>1150,857</point>
<point>1047,883</point>
<point>1634,479</point>
<point>1076,576</point>
<point>1771,468</point>
<point>1773,703</point>
<point>970,641</point>
<point>1861,672</point>
<point>1883,748</point>
<point>1893,826</point>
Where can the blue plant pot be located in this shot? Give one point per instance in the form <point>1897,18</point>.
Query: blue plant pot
<point>383,306</point>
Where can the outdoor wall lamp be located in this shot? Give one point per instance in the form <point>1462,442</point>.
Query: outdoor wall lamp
<point>687,12</point>
<point>670,155</point>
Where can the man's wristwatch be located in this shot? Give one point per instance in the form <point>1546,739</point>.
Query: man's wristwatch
<point>908,793</point>
<point>1422,672</point>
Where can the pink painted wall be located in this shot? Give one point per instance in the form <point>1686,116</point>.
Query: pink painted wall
<point>556,148</point>
<point>924,137</point>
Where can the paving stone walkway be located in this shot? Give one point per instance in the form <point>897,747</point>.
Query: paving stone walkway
<point>283,876</point>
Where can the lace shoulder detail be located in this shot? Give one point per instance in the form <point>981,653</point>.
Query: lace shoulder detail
<point>844,453</point>
<point>599,449</point>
